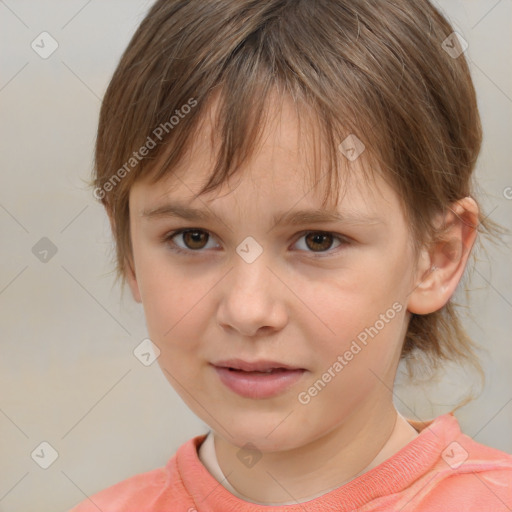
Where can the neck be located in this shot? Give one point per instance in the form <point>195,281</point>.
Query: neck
<point>362,442</point>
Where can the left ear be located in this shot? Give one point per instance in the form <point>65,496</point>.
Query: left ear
<point>441,265</point>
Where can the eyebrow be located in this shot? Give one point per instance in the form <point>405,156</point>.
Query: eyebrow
<point>293,217</point>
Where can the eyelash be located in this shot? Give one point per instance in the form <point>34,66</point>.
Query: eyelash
<point>321,254</point>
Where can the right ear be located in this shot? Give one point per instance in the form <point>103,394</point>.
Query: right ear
<point>128,270</point>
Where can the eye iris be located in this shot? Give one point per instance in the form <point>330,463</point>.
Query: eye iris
<point>193,237</point>
<point>318,238</point>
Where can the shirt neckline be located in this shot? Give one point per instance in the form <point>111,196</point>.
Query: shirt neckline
<point>391,476</point>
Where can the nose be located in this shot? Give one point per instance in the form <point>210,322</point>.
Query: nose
<point>252,299</point>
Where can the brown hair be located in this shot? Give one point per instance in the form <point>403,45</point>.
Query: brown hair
<point>375,68</point>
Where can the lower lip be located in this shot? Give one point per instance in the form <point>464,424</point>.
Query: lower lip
<point>258,385</point>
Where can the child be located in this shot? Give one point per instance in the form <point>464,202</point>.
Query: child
<point>289,187</point>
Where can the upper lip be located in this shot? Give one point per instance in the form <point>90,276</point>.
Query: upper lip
<point>262,365</point>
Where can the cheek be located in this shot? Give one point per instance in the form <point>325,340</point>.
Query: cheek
<point>172,309</point>
<point>176,306</point>
<point>361,317</point>
<point>165,292</point>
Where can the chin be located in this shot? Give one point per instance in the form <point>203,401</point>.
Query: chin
<point>267,432</point>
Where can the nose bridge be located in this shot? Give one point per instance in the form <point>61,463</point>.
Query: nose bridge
<point>250,273</point>
<point>250,296</point>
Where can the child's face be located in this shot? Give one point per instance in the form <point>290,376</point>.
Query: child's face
<point>302,302</point>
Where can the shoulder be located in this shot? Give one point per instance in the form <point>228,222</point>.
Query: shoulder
<point>478,487</point>
<point>137,491</point>
<point>152,491</point>
<point>482,476</point>
<point>469,476</point>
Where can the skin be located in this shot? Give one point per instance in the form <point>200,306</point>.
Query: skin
<point>289,306</point>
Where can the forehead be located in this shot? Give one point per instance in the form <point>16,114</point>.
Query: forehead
<point>287,168</point>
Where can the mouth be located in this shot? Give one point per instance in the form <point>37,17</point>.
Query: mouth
<point>263,372</point>
<point>261,366</point>
<point>258,379</point>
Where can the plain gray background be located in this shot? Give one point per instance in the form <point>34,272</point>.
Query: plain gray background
<point>68,375</point>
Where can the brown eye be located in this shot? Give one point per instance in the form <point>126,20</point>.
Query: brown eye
<point>195,239</point>
<point>188,241</point>
<point>319,241</point>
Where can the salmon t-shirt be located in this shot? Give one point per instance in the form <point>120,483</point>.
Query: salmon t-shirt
<point>440,470</point>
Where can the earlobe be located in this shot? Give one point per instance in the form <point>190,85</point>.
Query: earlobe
<point>441,267</point>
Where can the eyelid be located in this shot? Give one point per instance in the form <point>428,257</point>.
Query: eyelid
<point>343,239</point>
